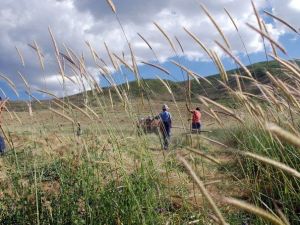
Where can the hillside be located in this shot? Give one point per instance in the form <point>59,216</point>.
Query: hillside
<point>154,89</point>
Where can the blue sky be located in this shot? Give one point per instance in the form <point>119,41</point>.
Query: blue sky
<point>76,22</point>
<point>290,42</point>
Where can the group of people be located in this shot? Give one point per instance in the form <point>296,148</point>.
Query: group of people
<point>166,119</point>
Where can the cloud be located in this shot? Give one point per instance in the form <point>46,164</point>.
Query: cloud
<point>288,11</point>
<point>75,21</point>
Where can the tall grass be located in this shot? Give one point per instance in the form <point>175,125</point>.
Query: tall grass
<point>269,185</point>
<point>112,174</point>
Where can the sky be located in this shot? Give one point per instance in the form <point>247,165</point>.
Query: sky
<point>76,22</point>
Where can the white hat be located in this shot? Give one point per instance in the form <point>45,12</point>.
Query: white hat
<point>165,107</point>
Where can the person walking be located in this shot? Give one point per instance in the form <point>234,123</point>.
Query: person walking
<point>166,125</point>
<point>196,119</point>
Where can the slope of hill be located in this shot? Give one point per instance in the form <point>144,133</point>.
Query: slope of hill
<point>154,89</point>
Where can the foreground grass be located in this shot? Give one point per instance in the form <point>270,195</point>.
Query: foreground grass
<point>116,182</point>
<point>267,186</point>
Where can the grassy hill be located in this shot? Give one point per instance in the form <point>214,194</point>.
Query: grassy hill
<point>154,89</point>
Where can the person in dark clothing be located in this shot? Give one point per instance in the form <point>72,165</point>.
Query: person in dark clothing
<point>166,125</point>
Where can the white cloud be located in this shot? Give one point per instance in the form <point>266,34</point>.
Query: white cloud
<point>75,21</point>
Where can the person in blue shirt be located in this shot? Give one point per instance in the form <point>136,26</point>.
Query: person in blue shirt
<point>166,125</point>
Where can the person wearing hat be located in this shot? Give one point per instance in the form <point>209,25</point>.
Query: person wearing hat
<point>166,125</point>
<point>196,119</point>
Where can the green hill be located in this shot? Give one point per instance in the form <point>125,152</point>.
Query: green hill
<point>155,89</point>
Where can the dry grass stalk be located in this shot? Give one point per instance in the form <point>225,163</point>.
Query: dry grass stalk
<point>232,20</point>
<point>239,34</point>
<point>204,155</point>
<point>62,115</point>
<point>217,104</point>
<point>198,42</point>
<point>18,118</point>
<point>253,209</point>
<point>111,100</point>
<point>166,85</point>
<point>260,27</point>
<point>81,110</point>
<point>134,66</point>
<point>180,45</point>
<point>293,129</point>
<point>103,70</point>
<point>110,56</point>
<point>214,141</point>
<point>238,83</point>
<point>10,114</point>
<point>74,59</point>
<point>203,190</point>
<point>207,113</point>
<point>234,58</point>
<point>157,67</point>
<point>112,5</point>
<point>287,65</point>
<point>61,68</point>
<point>220,66</point>
<point>24,80</point>
<point>281,214</point>
<point>261,111</point>
<point>48,93</point>
<point>256,15</point>
<point>29,108</point>
<point>70,79</point>
<point>269,95</point>
<point>212,182</point>
<point>3,93</point>
<point>10,83</point>
<point>92,111</point>
<point>283,134</point>
<point>191,73</point>
<point>118,92</point>
<point>40,56</point>
<point>212,113</point>
<point>267,37</point>
<point>124,63</point>
<point>29,94</point>
<point>216,116</point>
<point>248,109</point>
<point>95,83</point>
<point>21,56</point>
<point>92,51</point>
<point>288,93</point>
<point>281,21</point>
<point>283,88</point>
<point>53,41</point>
<point>60,106</point>
<point>267,32</point>
<point>271,162</point>
<point>144,39</point>
<point>230,90</point>
<point>166,36</point>
<point>216,25</point>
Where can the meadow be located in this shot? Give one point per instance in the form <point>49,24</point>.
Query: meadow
<point>245,170</point>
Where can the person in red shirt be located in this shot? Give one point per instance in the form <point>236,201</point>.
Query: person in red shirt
<point>196,119</point>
